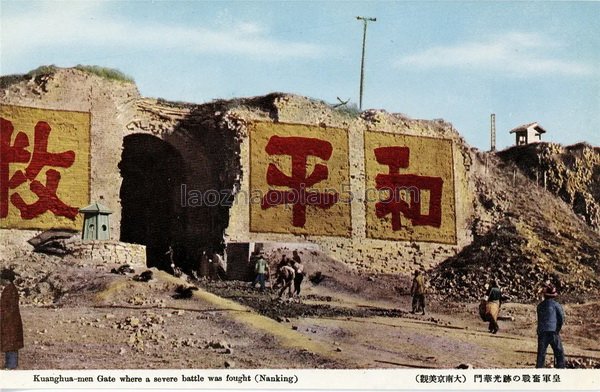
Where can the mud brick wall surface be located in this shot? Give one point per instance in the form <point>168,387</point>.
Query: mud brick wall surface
<point>389,256</point>
<point>208,147</point>
<point>110,105</point>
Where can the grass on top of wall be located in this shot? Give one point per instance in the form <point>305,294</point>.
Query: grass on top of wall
<point>104,72</point>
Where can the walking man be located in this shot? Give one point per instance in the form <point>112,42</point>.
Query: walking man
<point>11,325</point>
<point>418,293</point>
<point>492,309</point>
<point>550,317</point>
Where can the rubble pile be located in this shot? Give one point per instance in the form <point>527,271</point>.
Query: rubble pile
<point>582,363</point>
<point>503,254</point>
<point>570,173</point>
<point>523,237</point>
<point>43,279</point>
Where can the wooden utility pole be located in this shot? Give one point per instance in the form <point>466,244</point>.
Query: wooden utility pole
<point>362,61</point>
<point>493,132</point>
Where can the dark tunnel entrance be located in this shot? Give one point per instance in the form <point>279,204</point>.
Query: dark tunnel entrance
<point>152,172</point>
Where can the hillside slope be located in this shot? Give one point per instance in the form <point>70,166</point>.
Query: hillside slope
<point>571,173</point>
<point>524,235</point>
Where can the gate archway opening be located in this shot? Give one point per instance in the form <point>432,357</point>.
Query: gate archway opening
<point>152,172</point>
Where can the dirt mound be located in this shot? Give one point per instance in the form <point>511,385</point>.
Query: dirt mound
<point>523,237</point>
<point>48,279</point>
<point>571,173</point>
<point>504,255</point>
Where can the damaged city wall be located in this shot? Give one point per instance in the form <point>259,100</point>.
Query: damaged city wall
<point>194,177</point>
<point>65,100</point>
<point>345,160</point>
<point>134,156</point>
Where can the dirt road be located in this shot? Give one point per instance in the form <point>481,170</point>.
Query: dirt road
<point>122,323</point>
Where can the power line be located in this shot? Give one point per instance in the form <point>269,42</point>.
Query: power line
<point>362,61</point>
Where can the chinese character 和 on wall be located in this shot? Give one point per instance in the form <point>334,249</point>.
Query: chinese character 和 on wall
<point>409,188</point>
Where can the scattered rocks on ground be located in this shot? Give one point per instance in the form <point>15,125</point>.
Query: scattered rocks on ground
<point>184,292</point>
<point>145,276</point>
<point>580,363</point>
<point>123,270</point>
<point>465,366</point>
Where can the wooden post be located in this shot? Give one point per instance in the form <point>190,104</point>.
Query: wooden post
<point>493,132</point>
<point>362,61</point>
<point>486,164</point>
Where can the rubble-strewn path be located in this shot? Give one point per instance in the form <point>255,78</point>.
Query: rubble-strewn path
<point>115,322</point>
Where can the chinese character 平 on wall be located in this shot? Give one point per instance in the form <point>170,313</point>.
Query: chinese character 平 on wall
<point>300,175</point>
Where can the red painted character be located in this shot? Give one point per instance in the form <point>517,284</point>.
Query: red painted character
<point>299,148</point>
<point>397,158</point>
<point>17,153</point>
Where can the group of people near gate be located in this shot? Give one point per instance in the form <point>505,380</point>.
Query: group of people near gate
<point>289,274</point>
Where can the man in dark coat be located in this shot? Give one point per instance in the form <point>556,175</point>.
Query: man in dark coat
<point>417,291</point>
<point>11,326</point>
<point>550,317</point>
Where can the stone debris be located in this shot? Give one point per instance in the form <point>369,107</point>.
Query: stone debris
<point>145,276</point>
<point>187,342</point>
<point>184,292</point>
<point>218,344</point>
<point>137,300</point>
<point>464,366</point>
<point>123,270</point>
<point>503,256</point>
<point>144,331</point>
<point>582,363</point>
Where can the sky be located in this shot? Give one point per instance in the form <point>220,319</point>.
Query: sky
<point>459,61</point>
